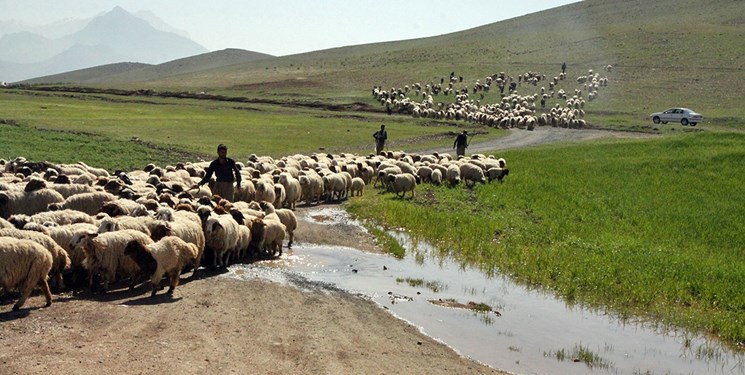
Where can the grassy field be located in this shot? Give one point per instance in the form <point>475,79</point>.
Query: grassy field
<point>648,228</point>
<point>181,129</point>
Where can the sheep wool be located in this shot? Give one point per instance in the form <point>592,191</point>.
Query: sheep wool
<point>24,264</point>
<point>168,257</point>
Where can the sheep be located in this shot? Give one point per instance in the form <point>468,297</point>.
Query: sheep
<point>121,207</point>
<point>293,190</point>
<point>60,258</point>
<point>89,203</point>
<point>402,183</point>
<point>436,177</point>
<point>63,217</point>
<point>221,234</point>
<point>496,173</point>
<point>167,256</point>
<point>68,190</point>
<point>104,254</point>
<point>358,186</point>
<point>113,224</point>
<point>63,235</point>
<point>453,175</point>
<point>24,264</point>
<point>335,186</point>
<point>279,195</point>
<point>472,173</point>
<point>267,236</point>
<point>312,187</point>
<point>284,216</point>
<point>19,202</point>
<point>185,229</point>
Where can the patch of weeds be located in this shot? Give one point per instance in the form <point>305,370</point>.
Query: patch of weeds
<point>580,354</point>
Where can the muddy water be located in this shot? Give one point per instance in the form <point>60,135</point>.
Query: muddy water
<point>526,331</point>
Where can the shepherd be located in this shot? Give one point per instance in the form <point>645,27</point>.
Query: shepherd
<point>461,143</point>
<point>380,137</point>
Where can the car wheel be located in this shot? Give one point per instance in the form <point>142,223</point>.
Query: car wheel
<point>684,121</point>
<point>664,122</point>
<point>656,120</point>
<point>694,123</point>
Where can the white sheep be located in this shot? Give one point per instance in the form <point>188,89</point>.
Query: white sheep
<point>62,217</point>
<point>267,236</point>
<point>20,202</point>
<point>221,234</point>
<point>335,185</point>
<point>168,256</point>
<point>60,258</point>
<point>104,254</point>
<point>284,216</point>
<point>358,186</point>
<point>293,190</point>
<point>436,177</point>
<point>89,203</point>
<point>68,190</point>
<point>183,228</point>
<point>312,187</point>
<point>470,172</point>
<point>403,183</point>
<point>280,195</point>
<point>453,175</point>
<point>24,264</point>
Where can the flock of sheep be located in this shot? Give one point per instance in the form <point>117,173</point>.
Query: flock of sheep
<point>513,110</point>
<point>72,223</point>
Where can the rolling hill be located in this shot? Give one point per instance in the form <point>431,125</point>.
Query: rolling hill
<point>661,59</point>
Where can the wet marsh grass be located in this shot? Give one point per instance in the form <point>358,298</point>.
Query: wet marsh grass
<point>580,353</point>
<point>642,228</point>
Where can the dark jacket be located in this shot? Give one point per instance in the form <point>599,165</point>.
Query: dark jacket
<point>461,140</point>
<point>380,135</point>
<point>223,172</point>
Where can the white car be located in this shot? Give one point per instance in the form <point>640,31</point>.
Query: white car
<point>684,116</point>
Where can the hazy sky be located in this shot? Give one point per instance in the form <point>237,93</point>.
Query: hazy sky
<point>285,27</point>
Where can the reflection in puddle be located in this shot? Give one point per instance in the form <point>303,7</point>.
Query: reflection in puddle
<point>522,330</point>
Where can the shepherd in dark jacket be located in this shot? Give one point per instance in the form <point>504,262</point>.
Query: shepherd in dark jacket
<point>460,144</point>
<point>226,172</point>
<point>380,137</point>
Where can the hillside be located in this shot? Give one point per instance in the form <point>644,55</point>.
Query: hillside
<point>691,59</point>
<point>136,72</point>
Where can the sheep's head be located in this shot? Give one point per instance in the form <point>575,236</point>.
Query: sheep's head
<point>113,209</point>
<point>142,256</point>
<point>161,230</point>
<point>238,216</point>
<point>19,220</point>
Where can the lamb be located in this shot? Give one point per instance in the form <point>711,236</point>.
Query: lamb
<point>19,202</point>
<point>358,186</point>
<point>221,234</point>
<point>284,216</point>
<point>185,229</point>
<point>89,203</point>
<point>279,195</point>
<point>24,264</point>
<point>496,173</point>
<point>472,173</point>
<point>64,235</point>
<point>267,236</point>
<point>104,254</point>
<point>113,224</point>
<point>402,183</point>
<point>167,256</point>
<point>264,191</point>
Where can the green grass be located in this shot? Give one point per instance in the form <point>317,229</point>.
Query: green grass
<point>642,228</point>
<point>198,126</point>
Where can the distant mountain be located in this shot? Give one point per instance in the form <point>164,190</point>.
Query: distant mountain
<point>124,73</point>
<point>116,36</point>
<point>159,24</point>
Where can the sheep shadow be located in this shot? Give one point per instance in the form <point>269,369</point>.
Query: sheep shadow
<point>24,312</point>
<point>153,300</point>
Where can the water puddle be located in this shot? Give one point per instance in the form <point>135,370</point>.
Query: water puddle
<point>523,331</point>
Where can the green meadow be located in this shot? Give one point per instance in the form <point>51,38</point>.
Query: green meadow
<point>645,228</point>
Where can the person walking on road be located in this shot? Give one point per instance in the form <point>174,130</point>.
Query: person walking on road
<point>460,144</point>
<point>380,137</point>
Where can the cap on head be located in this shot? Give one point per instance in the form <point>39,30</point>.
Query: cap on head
<point>222,147</point>
<point>465,132</point>
<point>382,125</point>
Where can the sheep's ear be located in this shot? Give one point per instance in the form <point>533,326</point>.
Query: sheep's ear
<point>4,198</point>
<point>92,234</point>
<point>216,225</point>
